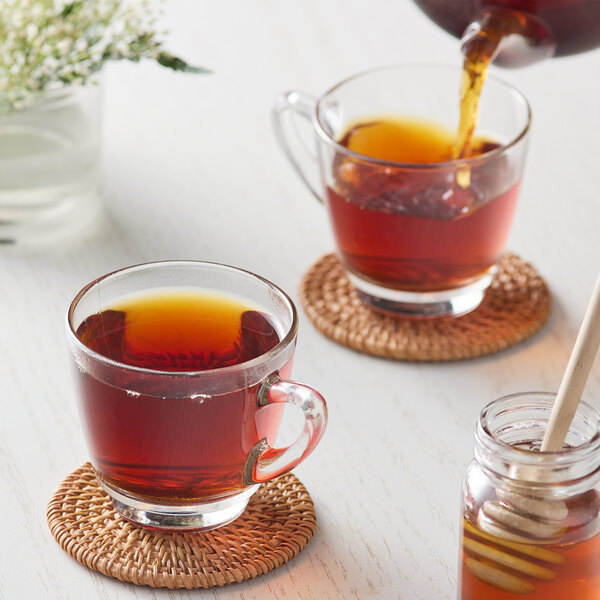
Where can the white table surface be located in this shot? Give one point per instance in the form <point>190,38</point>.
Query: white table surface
<point>191,170</point>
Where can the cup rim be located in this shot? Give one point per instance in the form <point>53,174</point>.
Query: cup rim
<point>319,128</point>
<point>281,346</point>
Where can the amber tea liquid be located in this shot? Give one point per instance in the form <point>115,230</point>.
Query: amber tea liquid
<point>413,229</point>
<point>165,449</point>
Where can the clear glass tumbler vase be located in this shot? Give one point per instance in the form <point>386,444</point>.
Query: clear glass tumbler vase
<point>49,166</point>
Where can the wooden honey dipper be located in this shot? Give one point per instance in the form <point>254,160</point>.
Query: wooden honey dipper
<point>515,522</point>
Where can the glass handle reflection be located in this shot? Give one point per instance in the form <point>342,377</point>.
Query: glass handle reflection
<point>285,123</point>
<point>264,462</point>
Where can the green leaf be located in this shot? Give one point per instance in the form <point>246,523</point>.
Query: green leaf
<point>70,8</point>
<point>177,64</point>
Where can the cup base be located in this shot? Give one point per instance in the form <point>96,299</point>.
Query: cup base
<point>423,305</point>
<point>194,517</point>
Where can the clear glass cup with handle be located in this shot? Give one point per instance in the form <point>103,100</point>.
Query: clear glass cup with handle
<point>415,239</point>
<point>183,447</point>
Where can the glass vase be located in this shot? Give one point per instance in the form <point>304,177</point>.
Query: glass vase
<point>49,166</point>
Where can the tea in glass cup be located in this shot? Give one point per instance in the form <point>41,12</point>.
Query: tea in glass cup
<point>418,232</point>
<point>530,519</point>
<point>182,372</point>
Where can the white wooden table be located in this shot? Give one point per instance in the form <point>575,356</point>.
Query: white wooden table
<point>191,170</point>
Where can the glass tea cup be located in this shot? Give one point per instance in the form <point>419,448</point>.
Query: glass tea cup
<point>181,430</point>
<point>417,239</point>
<point>530,519</point>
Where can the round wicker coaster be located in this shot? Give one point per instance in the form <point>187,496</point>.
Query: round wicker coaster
<point>515,306</point>
<point>277,524</point>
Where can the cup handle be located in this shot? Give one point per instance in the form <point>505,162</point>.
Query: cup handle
<point>283,114</point>
<point>264,462</point>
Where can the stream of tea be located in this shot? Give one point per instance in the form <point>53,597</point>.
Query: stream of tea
<point>477,57</point>
<point>475,70</point>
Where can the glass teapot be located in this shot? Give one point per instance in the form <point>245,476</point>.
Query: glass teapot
<point>515,33</point>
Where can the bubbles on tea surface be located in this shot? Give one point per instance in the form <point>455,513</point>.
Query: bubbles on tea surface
<point>439,200</point>
<point>434,192</point>
<point>438,196</point>
<point>199,399</point>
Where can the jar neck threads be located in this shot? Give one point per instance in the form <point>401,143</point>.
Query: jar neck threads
<point>509,434</point>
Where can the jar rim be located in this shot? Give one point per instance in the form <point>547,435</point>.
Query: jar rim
<point>586,454</point>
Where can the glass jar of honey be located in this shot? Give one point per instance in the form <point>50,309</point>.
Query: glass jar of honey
<point>531,519</point>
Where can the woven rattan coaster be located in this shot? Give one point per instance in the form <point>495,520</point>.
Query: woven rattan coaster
<point>515,306</point>
<point>277,524</point>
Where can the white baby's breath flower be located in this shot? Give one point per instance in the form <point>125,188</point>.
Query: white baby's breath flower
<point>49,43</point>
<point>37,11</point>
<point>81,45</point>
<point>31,32</point>
<point>51,63</point>
<point>63,46</point>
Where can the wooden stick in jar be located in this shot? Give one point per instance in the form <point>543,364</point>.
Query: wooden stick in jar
<point>575,377</point>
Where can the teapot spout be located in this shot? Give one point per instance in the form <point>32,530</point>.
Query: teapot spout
<point>508,38</point>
